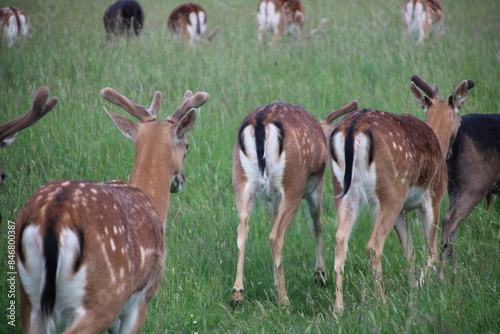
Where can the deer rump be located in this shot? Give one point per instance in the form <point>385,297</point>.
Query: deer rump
<point>353,155</point>
<point>50,245</point>
<point>262,153</point>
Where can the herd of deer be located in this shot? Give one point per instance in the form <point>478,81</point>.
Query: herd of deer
<point>72,234</point>
<point>190,21</point>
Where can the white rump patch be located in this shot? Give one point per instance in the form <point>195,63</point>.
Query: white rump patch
<point>268,185</point>
<point>267,17</point>
<point>363,177</point>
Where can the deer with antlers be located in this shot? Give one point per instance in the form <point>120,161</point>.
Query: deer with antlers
<point>190,22</point>
<point>398,163</point>
<point>39,108</point>
<point>90,255</point>
<point>280,156</point>
<point>421,18</point>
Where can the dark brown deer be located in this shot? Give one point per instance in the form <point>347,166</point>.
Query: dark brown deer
<point>122,15</point>
<point>474,173</point>
<point>90,255</point>
<point>280,156</point>
<point>39,108</point>
<point>398,163</point>
<point>14,22</point>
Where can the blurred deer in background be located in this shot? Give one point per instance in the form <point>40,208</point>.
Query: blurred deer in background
<point>90,255</point>
<point>122,15</point>
<point>190,22</point>
<point>14,22</point>
<point>421,18</point>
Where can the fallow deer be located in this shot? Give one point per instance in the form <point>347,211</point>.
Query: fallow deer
<point>190,22</point>
<point>14,22</point>
<point>421,18</point>
<point>280,156</point>
<point>122,15</point>
<point>280,17</point>
<point>90,255</point>
<point>398,163</point>
<point>473,171</point>
<point>39,108</point>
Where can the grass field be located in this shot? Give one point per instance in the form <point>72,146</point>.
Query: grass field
<point>363,56</point>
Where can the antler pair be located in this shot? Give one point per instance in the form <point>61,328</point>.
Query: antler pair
<point>147,115</point>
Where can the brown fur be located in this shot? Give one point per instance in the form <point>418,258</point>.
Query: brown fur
<point>121,226</point>
<point>5,14</point>
<point>40,107</point>
<point>291,12</point>
<point>392,155</point>
<point>434,17</point>
<point>178,21</point>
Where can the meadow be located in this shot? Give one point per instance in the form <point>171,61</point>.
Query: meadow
<point>364,56</point>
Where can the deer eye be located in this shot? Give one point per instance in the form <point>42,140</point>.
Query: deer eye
<point>187,146</point>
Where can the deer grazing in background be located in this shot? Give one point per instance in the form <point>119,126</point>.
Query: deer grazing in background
<point>122,15</point>
<point>421,18</point>
<point>14,22</point>
<point>190,22</point>
<point>280,156</point>
<point>473,171</point>
<point>398,163</point>
<point>90,255</point>
<point>39,108</point>
<point>282,17</point>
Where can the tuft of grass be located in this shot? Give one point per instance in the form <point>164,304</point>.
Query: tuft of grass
<point>364,56</point>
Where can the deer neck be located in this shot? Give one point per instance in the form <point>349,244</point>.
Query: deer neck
<point>151,174</point>
<point>444,130</point>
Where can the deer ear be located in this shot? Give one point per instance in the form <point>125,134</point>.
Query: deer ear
<point>460,94</point>
<point>423,100</point>
<point>9,140</point>
<point>186,123</point>
<point>126,126</point>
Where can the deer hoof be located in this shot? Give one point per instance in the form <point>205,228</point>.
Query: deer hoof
<point>237,297</point>
<point>320,278</point>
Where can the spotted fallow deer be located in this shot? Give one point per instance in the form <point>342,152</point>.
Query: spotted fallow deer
<point>398,163</point>
<point>280,156</point>
<point>421,18</point>
<point>90,255</point>
<point>190,22</point>
<point>14,22</point>
<point>39,108</point>
<point>280,17</point>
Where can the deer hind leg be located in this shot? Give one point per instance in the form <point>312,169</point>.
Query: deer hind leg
<point>346,215</point>
<point>387,215</point>
<point>459,210</point>
<point>314,201</point>
<point>403,232</point>
<point>244,201</point>
<point>287,211</point>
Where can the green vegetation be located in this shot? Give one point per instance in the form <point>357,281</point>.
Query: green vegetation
<point>363,56</point>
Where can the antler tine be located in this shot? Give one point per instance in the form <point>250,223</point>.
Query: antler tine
<point>342,111</point>
<point>133,109</point>
<point>155,105</point>
<point>39,108</point>
<point>423,86</point>
<point>190,101</point>
<point>470,83</point>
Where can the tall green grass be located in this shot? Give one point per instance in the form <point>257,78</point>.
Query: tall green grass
<point>363,56</point>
